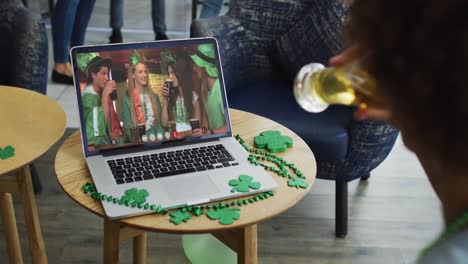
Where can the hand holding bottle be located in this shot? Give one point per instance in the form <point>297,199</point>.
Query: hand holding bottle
<point>363,111</point>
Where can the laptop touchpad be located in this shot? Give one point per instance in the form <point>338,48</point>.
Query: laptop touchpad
<point>190,188</point>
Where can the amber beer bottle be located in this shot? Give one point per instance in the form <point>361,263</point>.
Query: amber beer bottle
<point>317,87</point>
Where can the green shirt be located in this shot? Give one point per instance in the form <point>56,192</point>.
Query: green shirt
<point>127,117</point>
<point>94,117</point>
<point>214,107</point>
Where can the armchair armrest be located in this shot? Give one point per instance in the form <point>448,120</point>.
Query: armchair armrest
<point>24,47</point>
<point>30,52</point>
<point>369,144</point>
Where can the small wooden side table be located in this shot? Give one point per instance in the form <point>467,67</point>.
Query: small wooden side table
<point>72,173</point>
<point>31,123</point>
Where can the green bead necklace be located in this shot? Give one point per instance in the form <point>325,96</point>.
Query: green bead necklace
<point>296,180</point>
<point>185,213</point>
<point>453,228</point>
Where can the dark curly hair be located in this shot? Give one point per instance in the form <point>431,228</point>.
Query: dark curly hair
<point>183,70</point>
<point>418,53</point>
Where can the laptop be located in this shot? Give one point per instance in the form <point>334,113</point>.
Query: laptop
<point>154,116</point>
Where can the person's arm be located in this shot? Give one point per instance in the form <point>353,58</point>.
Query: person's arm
<point>127,117</point>
<point>105,98</point>
<point>204,131</point>
<point>203,122</point>
<point>222,129</point>
<point>164,114</point>
<point>164,106</point>
<point>159,127</point>
<point>196,107</point>
<point>94,119</point>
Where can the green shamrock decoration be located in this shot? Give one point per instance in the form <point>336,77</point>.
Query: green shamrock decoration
<point>178,217</point>
<point>273,141</point>
<point>225,215</point>
<point>298,183</point>
<point>7,152</point>
<point>134,59</point>
<point>244,184</point>
<point>135,195</point>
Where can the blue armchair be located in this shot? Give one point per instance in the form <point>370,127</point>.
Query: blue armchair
<point>24,52</point>
<point>263,44</point>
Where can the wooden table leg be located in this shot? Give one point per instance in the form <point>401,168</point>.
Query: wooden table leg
<point>247,253</point>
<point>36,243</point>
<point>139,249</point>
<point>111,241</point>
<point>9,227</point>
<point>243,241</point>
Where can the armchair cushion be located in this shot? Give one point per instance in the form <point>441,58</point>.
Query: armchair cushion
<point>326,133</point>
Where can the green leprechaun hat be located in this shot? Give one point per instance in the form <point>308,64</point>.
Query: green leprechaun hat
<point>97,62</point>
<point>204,57</point>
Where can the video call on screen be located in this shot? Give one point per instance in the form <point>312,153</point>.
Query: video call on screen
<point>153,95</point>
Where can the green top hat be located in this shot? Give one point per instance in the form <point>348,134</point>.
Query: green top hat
<point>204,57</point>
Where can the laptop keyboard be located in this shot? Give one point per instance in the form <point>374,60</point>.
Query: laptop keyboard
<point>153,166</point>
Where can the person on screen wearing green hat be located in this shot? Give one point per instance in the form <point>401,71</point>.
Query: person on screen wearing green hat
<point>101,121</point>
<point>205,69</point>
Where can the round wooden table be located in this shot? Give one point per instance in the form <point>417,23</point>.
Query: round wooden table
<point>241,236</point>
<point>31,124</point>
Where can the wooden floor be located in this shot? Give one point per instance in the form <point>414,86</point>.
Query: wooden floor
<point>392,216</point>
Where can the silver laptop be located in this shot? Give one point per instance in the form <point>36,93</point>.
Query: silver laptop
<point>154,116</point>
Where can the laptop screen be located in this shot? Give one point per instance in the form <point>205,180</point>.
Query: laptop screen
<point>151,93</point>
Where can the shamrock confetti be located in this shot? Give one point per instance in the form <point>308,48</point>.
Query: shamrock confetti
<point>7,152</point>
<point>225,215</point>
<point>135,195</point>
<point>273,141</point>
<point>298,183</point>
<point>178,217</point>
<point>244,184</point>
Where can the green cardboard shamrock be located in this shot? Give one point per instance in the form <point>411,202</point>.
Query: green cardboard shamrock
<point>273,141</point>
<point>135,195</point>
<point>178,217</point>
<point>225,215</point>
<point>7,152</point>
<point>298,183</point>
<point>244,184</point>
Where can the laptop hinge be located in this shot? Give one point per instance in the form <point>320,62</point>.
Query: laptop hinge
<point>164,145</point>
